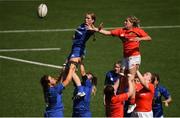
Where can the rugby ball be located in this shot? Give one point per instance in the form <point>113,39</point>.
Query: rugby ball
<point>42,10</point>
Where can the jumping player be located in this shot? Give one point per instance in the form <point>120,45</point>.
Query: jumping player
<point>81,36</point>
<point>131,35</point>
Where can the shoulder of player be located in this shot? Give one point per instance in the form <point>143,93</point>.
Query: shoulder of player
<point>109,72</point>
<point>59,86</point>
<point>161,88</point>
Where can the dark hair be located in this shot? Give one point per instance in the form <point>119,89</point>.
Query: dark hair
<point>109,92</point>
<point>156,77</point>
<point>45,85</point>
<point>94,79</point>
<point>44,82</point>
<point>134,20</point>
<point>117,62</point>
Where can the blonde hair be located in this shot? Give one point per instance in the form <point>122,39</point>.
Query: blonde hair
<point>93,16</point>
<point>134,20</point>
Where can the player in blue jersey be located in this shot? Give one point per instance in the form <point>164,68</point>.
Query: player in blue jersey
<point>160,92</point>
<point>81,36</point>
<point>52,89</point>
<point>113,77</point>
<point>81,105</point>
<point>119,82</point>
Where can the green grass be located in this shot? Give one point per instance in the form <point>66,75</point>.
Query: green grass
<point>21,93</point>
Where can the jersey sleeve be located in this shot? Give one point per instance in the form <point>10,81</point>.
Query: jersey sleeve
<point>141,33</point>
<point>59,87</point>
<point>88,83</point>
<point>120,97</point>
<point>109,79</point>
<point>165,92</point>
<point>116,32</point>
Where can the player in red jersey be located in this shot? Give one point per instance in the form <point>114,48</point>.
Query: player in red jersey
<point>144,95</point>
<point>131,35</point>
<point>114,104</point>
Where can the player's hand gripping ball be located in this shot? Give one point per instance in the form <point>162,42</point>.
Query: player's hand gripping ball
<point>42,10</point>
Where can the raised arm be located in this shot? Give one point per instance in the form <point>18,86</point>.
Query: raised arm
<point>131,88</point>
<point>105,32</point>
<point>70,75</point>
<point>142,80</point>
<point>82,69</point>
<point>99,29</point>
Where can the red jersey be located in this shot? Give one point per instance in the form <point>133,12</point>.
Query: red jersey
<point>116,108</point>
<point>130,48</point>
<point>144,98</point>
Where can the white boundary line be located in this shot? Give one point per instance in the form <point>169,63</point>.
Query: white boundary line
<point>30,62</point>
<point>44,30</point>
<point>153,27</point>
<point>66,30</point>
<point>33,49</point>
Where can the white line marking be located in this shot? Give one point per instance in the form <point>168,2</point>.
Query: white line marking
<point>66,30</point>
<point>33,49</point>
<point>45,30</point>
<point>30,62</point>
<point>152,27</point>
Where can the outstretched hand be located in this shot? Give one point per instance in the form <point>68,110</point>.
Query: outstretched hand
<point>166,103</point>
<point>93,28</point>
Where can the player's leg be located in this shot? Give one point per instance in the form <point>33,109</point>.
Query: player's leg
<point>124,66</point>
<point>77,80</point>
<point>132,103</point>
<point>133,66</point>
<point>86,114</point>
<point>82,69</point>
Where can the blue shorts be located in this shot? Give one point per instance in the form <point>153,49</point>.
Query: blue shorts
<point>76,52</point>
<point>157,112</point>
<point>57,113</point>
<point>81,114</point>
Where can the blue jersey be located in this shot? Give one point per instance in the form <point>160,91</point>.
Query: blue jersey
<point>81,106</point>
<point>82,34</point>
<point>111,78</point>
<point>157,101</point>
<point>53,97</point>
